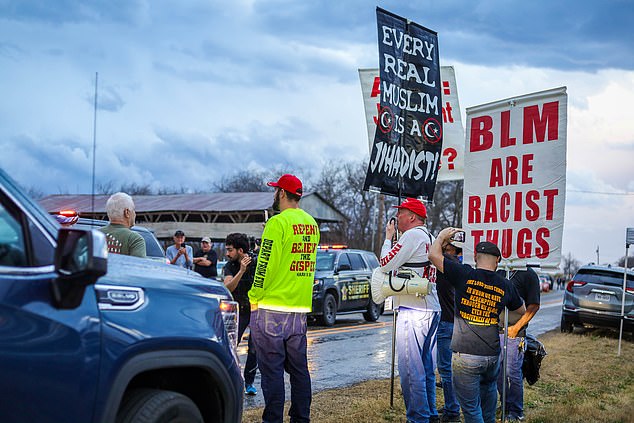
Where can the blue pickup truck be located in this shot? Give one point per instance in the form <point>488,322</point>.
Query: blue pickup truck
<point>91,337</point>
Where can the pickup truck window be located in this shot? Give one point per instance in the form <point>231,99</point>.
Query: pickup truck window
<point>12,246</point>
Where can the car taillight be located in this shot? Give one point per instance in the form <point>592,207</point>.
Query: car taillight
<point>629,290</point>
<point>572,284</point>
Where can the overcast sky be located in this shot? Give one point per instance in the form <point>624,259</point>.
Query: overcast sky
<point>190,91</point>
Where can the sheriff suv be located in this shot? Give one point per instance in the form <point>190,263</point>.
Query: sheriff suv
<point>594,297</point>
<point>342,284</point>
<point>87,336</point>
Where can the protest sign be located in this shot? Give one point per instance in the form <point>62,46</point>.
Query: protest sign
<point>452,160</point>
<point>408,139</point>
<point>515,177</point>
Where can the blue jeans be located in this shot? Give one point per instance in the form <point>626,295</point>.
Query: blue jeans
<point>415,340</point>
<point>251,365</point>
<point>280,341</point>
<point>514,377</point>
<point>443,358</point>
<point>474,380</point>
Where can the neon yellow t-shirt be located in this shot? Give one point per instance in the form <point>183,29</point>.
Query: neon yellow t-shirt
<point>285,272</point>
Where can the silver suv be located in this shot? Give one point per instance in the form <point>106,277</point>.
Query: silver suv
<point>593,297</point>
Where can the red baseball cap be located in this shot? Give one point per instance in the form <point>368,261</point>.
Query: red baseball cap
<point>290,183</point>
<point>415,206</point>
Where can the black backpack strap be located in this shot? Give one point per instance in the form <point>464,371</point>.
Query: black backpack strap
<point>424,264</point>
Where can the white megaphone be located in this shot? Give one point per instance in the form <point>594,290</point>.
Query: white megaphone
<point>405,282</point>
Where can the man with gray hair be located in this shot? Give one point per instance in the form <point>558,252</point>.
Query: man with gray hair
<point>121,214</point>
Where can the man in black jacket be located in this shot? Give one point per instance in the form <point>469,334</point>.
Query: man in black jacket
<point>238,278</point>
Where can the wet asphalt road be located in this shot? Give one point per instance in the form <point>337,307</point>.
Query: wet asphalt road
<point>353,350</point>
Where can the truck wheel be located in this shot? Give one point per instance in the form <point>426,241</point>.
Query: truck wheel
<point>153,405</point>
<point>329,311</point>
<point>373,312</point>
<point>566,326</point>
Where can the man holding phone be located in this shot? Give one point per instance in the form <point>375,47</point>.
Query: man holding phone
<point>180,254</point>
<point>418,316</point>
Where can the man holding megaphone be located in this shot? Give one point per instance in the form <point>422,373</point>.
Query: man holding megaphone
<point>418,314</point>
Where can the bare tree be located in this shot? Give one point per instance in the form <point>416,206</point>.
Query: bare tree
<point>255,180</point>
<point>446,208</point>
<point>570,266</point>
<point>35,193</point>
<point>342,186</point>
<point>133,188</point>
<point>630,261</point>
<point>243,181</point>
<point>105,188</point>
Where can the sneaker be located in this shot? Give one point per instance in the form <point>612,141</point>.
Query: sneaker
<point>250,390</point>
<point>450,418</point>
<point>512,418</point>
<point>434,419</point>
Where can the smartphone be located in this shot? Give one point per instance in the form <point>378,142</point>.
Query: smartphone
<point>458,236</point>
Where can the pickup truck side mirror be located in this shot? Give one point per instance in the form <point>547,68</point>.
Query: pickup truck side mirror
<point>81,257</point>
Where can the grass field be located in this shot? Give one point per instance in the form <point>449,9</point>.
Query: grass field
<point>582,380</point>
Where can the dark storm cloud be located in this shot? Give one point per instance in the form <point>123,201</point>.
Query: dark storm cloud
<point>67,154</point>
<point>59,12</point>
<point>579,35</point>
<point>176,159</point>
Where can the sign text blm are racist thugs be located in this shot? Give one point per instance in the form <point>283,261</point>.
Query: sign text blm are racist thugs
<point>515,177</point>
<point>408,140</point>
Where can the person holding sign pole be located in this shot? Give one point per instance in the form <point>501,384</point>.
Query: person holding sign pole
<point>418,316</point>
<point>480,295</point>
<point>527,284</point>
<point>451,408</point>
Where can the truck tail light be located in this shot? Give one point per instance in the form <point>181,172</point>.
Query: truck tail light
<point>231,320</point>
<point>572,284</point>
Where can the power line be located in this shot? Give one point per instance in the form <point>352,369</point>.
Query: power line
<point>600,192</point>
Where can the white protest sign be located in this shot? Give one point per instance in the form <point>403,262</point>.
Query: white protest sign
<point>452,161</point>
<point>515,177</point>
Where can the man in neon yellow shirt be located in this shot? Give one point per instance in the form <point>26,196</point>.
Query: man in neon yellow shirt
<point>280,297</point>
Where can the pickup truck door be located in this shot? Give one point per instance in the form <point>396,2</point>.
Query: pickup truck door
<point>49,357</point>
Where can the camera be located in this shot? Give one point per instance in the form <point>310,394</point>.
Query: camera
<point>458,236</point>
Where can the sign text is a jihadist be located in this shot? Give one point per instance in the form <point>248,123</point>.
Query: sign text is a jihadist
<point>452,161</point>
<point>408,141</point>
<point>515,177</point>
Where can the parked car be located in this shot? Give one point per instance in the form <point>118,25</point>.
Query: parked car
<point>545,282</point>
<point>342,284</point>
<point>593,297</point>
<point>153,249</point>
<point>220,266</point>
<point>87,336</point>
